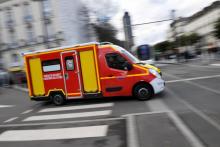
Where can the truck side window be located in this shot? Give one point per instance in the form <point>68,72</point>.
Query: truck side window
<point>69,63</point>
<point>115,60</point>
<point>51,65</point>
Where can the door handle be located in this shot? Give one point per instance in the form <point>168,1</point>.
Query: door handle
<point>66,76</point>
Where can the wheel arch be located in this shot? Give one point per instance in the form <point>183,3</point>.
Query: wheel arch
<point>52,92</point>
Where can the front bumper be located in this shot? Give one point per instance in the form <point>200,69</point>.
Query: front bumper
<point>158,85</point>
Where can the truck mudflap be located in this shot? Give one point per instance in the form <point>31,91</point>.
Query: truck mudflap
<point>158,85</point>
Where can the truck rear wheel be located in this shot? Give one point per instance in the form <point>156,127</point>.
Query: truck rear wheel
<point>143,92</point>
<point>58,99</point>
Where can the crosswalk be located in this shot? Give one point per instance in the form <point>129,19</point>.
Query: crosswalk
<point>84,112</point>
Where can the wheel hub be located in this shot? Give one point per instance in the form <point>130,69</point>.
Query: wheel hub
<point>143,92</point>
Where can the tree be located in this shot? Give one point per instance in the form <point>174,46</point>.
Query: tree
<point>185,40</point>
<point>163,46</point>
<point>107,33</point>
<point>217,29</point>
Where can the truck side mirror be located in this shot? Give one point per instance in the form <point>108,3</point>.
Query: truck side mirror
<point>128,66</point>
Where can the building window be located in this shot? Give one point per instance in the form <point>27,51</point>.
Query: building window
<point>51,65</point>
<point>116,61</point>
<point>27,13</point>
<point>47,8</point>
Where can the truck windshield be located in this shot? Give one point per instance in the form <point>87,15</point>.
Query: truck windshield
<point>126,53</point>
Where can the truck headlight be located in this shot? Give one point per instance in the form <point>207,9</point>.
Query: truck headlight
<point>154,72</point>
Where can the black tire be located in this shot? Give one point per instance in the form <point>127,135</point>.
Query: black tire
<point>58,99</point>
<point>143,92</point>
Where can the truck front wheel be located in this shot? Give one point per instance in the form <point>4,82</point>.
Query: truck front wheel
<point>58,99</point>
<point>143,92</point>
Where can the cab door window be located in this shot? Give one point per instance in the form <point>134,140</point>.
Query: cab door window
<point>69,63</point>
<point>116,61</point>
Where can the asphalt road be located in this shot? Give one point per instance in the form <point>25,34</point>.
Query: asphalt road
<point>186,114</point>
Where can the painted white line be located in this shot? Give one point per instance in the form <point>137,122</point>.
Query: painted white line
<point>158,105</point>
<point>195,84</point>
<point>68,115</point>
<point>27,111</point>
<point>191,79</point>
<point>11,119</point>
<point>144,113</point>
<point>61,123</point>
<point>215,64</point>
<point>77,107</point>
<point>198,112</point>
<point>6,106</point>
<point>131,126</point>
<point>54,134</point>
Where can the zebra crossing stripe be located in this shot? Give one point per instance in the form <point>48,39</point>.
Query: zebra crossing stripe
<point>77,107</point>
<point>68,115</point>
<point>6,106</point>
<point>54,134</point>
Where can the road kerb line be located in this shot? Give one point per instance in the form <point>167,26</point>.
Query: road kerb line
<point>158,105</point>
<point>198,112</point>
<point>11,119</point>
<point>131,129</point>
<point>189,135</point>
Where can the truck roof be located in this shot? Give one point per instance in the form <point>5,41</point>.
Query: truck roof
<point>62,47</point>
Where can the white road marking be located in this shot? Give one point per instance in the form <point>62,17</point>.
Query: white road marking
<point>144,113</point>
<point>27,111</point>
<point>11,119</point>
<point>54,134</point>
<point>198,112</point>
<point>6,106</point>
<point>78,107</point>
<point>195,84</point>
<point>158,105</point>
<point>191,79</point>
<point>215,64</point>
<point>68,115</point>
<point>132,134</point>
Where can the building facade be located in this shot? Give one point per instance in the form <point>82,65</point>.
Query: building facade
<point>30,25</point>
<point>129,42</point>
<point>201,23</point>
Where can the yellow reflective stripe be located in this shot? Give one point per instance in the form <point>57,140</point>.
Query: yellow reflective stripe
<point>59,50</point>
<point>97,69</point>
<point>115,77</point>
<point>72,94</point>
<point>27,76</point>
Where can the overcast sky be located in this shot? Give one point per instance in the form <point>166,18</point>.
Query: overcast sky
<point>152,10</point>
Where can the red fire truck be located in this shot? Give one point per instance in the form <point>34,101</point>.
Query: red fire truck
<point>89,71</point>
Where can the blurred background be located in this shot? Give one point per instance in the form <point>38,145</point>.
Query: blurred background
<point>152,30</point>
